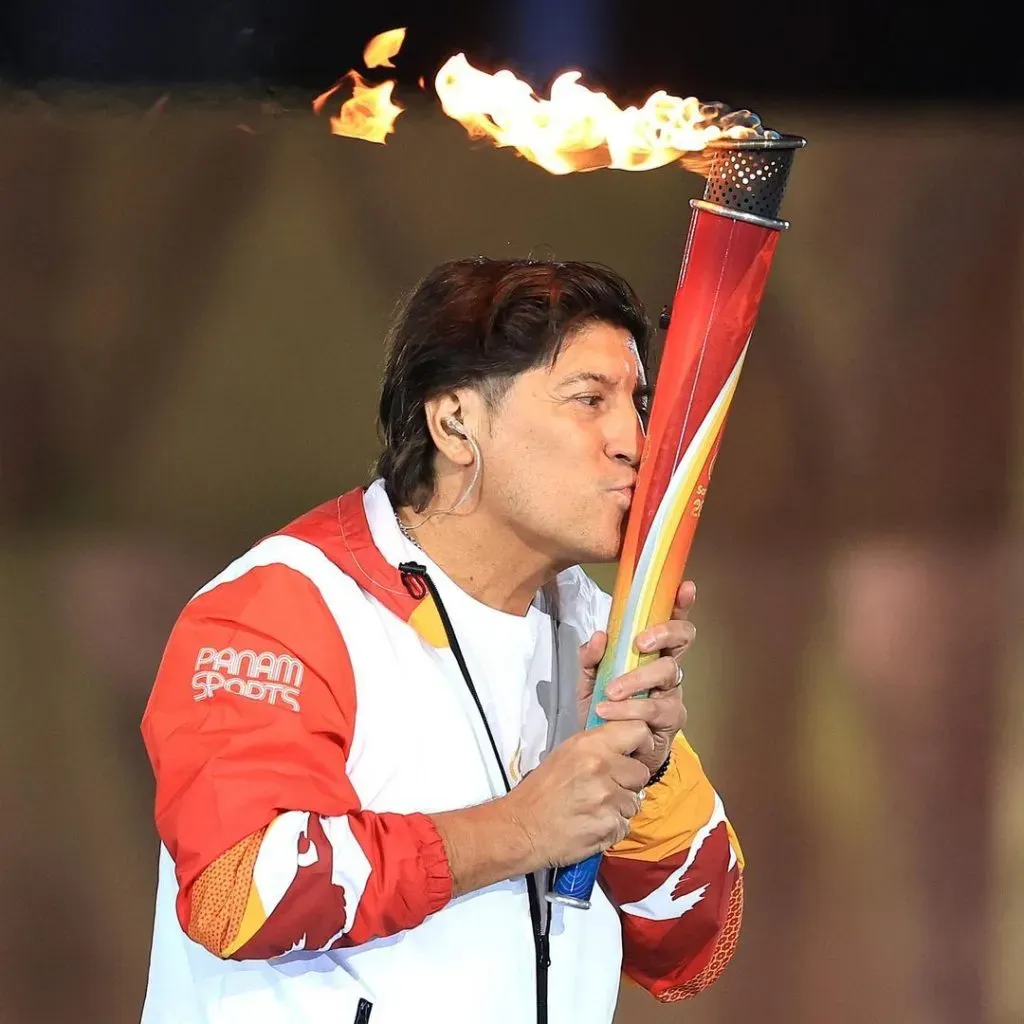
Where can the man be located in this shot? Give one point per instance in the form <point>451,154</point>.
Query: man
<point>365,731</point>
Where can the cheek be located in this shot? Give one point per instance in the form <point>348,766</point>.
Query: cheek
<point>548,465</point>
<point>533,480</point>
<point>537,449</point>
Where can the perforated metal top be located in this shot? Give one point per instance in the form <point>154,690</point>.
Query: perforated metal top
<point>750,175</point>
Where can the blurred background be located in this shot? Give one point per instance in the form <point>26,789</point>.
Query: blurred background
<point>195,279</point>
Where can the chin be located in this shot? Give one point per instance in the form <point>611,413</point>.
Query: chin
<point>602,549</point>
<point>591,541</point>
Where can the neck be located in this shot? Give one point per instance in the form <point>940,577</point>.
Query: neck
<point>486,559</point>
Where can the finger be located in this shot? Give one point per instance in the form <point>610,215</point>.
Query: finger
<point>630,737</point>
<point>639,709</point>
<point>664,713</point>
<point>592,651</point>
<point>645,749</point>
<point>628,803</point>
<point>675,635</point>
<point>660,674</point>
<point>629,773</point>
<point>621,830</point>
<point>685,598</point>
<point>660,715</point>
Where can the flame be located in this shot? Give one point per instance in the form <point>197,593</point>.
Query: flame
<point>318,103</point>
<point>380,49</point>
<point>575,129</point>
<point>578,129</point>
<point>369,114</point>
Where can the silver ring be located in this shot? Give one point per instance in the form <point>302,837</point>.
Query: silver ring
<point>679,675</point>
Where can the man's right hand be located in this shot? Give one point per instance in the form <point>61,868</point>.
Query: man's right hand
<point>579,800</point>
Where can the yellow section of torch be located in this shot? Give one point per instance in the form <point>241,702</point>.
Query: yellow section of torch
<point>696,458</point>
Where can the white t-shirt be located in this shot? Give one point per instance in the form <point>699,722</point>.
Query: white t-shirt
<point>508,656</point>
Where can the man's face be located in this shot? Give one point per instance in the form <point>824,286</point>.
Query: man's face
<point>561,455</point>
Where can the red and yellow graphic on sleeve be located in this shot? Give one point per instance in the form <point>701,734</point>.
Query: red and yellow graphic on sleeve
<point>221,897</point>
<point>724,948</point>
<point>274,891</point>
<point>677,879</point>
<point>307,882</point>
<point>673,811</point>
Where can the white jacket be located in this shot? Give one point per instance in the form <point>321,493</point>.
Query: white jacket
<point>308,714</point>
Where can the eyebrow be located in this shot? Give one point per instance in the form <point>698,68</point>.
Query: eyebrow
<point>589,375</point>
<point>641,390</point>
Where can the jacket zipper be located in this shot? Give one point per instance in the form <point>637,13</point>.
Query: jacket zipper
<point>413,571</point>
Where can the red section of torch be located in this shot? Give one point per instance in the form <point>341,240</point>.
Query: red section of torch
<point>725,269</point>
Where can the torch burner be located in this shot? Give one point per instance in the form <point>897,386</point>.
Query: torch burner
<point>747,178</point>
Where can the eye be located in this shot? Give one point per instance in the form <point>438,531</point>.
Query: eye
<point>592,401</point>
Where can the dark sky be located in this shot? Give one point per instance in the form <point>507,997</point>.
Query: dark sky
<point>865,51</point>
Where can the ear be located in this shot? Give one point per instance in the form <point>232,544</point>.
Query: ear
<point>443,412</point>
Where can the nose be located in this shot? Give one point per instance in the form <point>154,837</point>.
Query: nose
<point>626,437</point>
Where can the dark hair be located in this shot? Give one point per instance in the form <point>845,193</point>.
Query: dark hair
<point>479,323</point>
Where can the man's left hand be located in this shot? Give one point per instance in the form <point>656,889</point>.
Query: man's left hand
<point>662,709</point>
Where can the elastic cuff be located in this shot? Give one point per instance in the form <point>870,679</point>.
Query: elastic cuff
<point>437,872</point>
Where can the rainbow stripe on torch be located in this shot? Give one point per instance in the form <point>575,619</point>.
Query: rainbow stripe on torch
<point>684,496</point>
<point>729,250</point>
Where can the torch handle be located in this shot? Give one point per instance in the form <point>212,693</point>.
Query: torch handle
<point>605,674</point>
<point>575,883</point>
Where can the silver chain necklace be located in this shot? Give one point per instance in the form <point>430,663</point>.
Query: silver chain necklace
<point>407,533</point>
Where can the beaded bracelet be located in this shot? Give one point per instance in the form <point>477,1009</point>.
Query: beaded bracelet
<point>660,773</point>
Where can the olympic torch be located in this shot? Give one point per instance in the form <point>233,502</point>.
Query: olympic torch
<point>733,233</point>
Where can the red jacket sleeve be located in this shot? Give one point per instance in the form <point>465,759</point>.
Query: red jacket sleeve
<point>248,729</point>
<point>677,880</point>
